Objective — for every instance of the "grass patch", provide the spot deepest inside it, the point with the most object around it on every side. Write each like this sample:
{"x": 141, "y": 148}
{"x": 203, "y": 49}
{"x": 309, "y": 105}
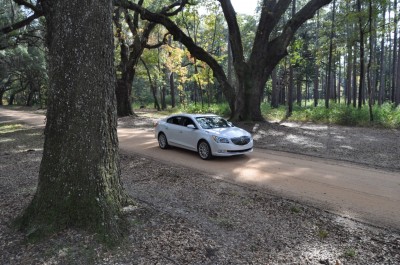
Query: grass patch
{"x": 322, "y": 234}
{"x": 386, "y": 116}
{"x": 295, "y": 209}
{"x": 350, "y": 253}
{"x": 10, "y": 128}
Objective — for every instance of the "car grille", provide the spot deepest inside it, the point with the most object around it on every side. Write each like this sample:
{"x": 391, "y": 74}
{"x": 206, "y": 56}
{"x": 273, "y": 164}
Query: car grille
{"x": 241, "y": 140}
{"x": 240, "y": 151}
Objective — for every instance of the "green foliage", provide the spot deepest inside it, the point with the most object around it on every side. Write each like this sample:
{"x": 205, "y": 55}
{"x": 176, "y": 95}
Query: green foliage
{"x": 219, "y": 109}
{"x": 384, "y": 116}
{"x": 295, "y": 209}
{"x": 387, "y": 115}
{"x": 350, "y": 253}
{"x": 323, "y": 234}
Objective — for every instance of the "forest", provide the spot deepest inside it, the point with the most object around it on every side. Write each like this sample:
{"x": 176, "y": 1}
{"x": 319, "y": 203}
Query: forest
{"x": 89, "y": 62}
{"x": 342, "y": 58}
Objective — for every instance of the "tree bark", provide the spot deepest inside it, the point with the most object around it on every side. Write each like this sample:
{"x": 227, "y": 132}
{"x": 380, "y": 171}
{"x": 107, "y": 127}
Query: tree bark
{"x": 362, "y": 58}
{"x": 395, "y": 46}
{"x": 382, "y": 86}
{"x": 370, "y": 63}
{"x": 316, "y": 66}
{"x": 329, "y": 83}
{"x": 79, "y": 179}
{"x": 152, "y": 86}
{"x": 275, "y": 90}
{"x": 348, "y": 70}
{"x": 290, "y": 92}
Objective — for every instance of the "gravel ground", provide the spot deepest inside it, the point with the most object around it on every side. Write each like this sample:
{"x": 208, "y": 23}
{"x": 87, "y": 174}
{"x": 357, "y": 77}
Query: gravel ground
{"x": 186, "y": 217}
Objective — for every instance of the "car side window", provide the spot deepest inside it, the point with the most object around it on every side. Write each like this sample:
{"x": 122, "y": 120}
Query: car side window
{"x": 174, "y": 120}
{"x": 186, "y": 121}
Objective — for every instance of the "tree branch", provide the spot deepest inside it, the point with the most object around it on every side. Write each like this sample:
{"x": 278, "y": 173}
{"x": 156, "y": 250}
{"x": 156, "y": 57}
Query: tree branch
{"x": 158, "y": 45}
{"x": 234, "y": 31}
{"x": 20, "y": 24}
{"x": 35, "y": 8}
{"x": 180, "y": 36}
{"x": 136, "y": 16}
{"x": 307, "y": 12}
{"x": 181, "y": 5}
{"x": 38, "y": 12}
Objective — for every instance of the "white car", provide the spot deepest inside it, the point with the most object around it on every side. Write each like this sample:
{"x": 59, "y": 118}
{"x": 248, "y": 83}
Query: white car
{"x": 207, "y": 134}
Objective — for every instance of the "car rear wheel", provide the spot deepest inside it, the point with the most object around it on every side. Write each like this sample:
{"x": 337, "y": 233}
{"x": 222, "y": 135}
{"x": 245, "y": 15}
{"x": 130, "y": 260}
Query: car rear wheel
{"x": 204, "y": 150}
{"x": 162, "y": 141}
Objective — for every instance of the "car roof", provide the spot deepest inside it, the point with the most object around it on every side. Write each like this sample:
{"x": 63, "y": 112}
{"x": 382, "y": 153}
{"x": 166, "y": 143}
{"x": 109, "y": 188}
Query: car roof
{"x": 194, "y": 115}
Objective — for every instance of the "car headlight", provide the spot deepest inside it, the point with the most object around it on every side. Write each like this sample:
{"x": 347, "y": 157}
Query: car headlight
{"x": 220, "y": 139}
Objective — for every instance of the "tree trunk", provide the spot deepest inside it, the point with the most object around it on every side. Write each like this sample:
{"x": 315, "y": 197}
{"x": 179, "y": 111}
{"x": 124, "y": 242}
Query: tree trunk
{"x": 163, "y": 97}
{"x": 275, "y": 89}
{"x": 348, "y": 73}
{"x": 329, "y": 82}
{"x": 1, "y": 97}
{"x": 362, "y": 58}
{"x": 123, "y": 93}
{"x": 290, "y": 92}
{"x": 382, "y": 86}
{"x": 395, "y": 44}
{"x": 79, "y": 179}
{"x": 354, "y": 78}
{"x": 316, "y": 66}
{"x": 248, "y": 99}
{"x": 153, "y": 86}
{"x": 123, "y": 87}
{"x": 370, "y": 64}
{"x": 299, "y": 91}
{"x": 172, "y": 89}
{"x": 339, "y": 81}
{"x": 397, "y": 88}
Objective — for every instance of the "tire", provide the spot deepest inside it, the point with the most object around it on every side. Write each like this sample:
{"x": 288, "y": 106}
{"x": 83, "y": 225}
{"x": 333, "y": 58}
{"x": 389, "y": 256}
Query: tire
{"x": 204, "y": 150}
{"x": 162, "y": 141}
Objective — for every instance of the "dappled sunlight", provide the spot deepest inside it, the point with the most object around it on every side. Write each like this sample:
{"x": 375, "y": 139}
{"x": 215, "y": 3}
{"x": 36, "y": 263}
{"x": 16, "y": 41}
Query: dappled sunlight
{"x": 307, "y": 126}
{"x": 300, "y": 140}
{"x": 347, "y": 147}
{"x": 262, "y": 171}
{"x": 136, "y": 138}
{"x": 309, "y": 179}
{"x": 324, "y": 251}
{"x": 6, "y": 140}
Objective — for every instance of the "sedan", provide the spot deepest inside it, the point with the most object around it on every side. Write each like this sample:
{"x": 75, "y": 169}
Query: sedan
{"x": 207, "y": 134}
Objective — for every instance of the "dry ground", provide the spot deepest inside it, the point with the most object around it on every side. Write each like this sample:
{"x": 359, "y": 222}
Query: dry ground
{"x": 186, "y": 217}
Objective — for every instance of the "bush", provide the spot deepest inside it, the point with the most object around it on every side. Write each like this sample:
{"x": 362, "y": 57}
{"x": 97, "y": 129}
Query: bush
{"x": 221, "y": 109}
{"x": 384, "y": 116}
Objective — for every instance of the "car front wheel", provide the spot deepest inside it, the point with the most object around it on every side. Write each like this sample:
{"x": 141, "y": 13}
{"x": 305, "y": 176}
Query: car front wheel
{"x": 162, "y": 141}
{"x": 204, "y": 150}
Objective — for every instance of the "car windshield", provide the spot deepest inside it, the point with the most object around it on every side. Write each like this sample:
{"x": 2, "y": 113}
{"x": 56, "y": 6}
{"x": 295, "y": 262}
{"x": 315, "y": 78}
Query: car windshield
{"x": 212, "y": 122}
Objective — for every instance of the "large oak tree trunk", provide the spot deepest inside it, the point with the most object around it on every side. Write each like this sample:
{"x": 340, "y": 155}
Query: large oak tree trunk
{"x": 79, "y": 179}
{"x": 123, "y": 92}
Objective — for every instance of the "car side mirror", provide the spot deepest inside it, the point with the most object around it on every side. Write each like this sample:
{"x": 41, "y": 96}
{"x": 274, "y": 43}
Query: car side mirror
{"x": 191, "y": 126}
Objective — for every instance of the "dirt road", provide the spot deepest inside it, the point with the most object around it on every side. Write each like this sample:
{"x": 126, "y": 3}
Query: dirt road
{"x": 361, "y": 193}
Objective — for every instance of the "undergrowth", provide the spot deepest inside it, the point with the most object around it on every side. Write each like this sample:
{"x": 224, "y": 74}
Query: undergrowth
{"x": 386, "y": 116}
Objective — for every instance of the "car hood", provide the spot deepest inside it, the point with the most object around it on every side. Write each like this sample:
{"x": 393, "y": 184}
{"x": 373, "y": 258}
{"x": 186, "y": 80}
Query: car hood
{"x": 230, "y": 132}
